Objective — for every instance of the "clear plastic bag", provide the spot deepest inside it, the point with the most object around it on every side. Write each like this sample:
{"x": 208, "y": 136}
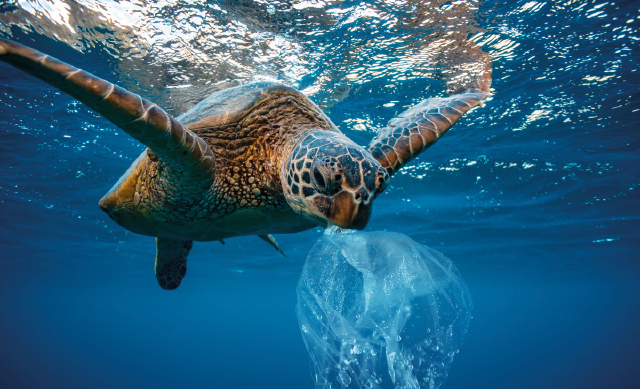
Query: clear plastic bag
{"x": 378, "y": 310}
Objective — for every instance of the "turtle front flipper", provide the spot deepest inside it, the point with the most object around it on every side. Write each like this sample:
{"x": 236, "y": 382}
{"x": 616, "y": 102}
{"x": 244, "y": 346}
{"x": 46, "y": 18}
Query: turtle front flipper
{"x": 418, "y": 128}
{"x": 177, "y": 146}
{"x": 171, "y": 261}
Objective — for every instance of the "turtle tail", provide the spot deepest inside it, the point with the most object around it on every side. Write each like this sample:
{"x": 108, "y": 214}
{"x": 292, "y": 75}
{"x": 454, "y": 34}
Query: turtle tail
{"x": 144, "y": 121}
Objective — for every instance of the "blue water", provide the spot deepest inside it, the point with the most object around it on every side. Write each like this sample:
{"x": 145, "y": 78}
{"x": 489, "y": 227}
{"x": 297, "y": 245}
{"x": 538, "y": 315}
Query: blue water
{"x": 534, "y": 196}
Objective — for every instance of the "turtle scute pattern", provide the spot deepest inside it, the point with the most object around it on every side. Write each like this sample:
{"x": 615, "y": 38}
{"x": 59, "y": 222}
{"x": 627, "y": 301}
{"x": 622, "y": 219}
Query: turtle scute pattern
{"x": 420, "y": 127}
{"x": 326, "y": 162}
{"x": 155, "y": 196}
{"x": 248, "y": 154}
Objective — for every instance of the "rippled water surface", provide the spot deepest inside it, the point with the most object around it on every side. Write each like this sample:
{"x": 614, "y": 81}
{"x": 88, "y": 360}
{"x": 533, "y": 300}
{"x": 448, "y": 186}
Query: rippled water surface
{"x": 534, "y": 196}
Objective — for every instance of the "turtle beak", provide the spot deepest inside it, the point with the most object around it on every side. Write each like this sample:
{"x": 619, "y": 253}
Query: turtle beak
{"x": 347, "y": 209}
{"x": 361, "y": 217}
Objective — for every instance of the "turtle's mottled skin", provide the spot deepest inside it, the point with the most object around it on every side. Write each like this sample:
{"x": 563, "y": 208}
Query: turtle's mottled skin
{"x": 252, "y": 160}
{"x": 327, "y": 173}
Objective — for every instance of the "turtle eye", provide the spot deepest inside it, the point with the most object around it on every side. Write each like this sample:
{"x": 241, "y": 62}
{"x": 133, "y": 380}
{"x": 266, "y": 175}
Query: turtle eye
{"x": 318, "y": 177}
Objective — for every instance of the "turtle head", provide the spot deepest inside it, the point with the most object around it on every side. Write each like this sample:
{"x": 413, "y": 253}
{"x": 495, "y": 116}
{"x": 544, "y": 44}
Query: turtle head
{"x": 331, "y": 180}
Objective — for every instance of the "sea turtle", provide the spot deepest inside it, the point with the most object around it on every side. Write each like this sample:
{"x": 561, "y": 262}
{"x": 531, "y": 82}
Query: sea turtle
{"x": 251, "y": 160}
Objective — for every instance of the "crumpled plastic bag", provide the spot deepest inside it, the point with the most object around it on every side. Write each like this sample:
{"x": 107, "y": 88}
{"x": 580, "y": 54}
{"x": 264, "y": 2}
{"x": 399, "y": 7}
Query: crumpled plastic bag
{"x": 379, "y": 310}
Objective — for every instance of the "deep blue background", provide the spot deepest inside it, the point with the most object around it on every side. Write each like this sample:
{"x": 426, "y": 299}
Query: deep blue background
{"x": 534, "y": 197}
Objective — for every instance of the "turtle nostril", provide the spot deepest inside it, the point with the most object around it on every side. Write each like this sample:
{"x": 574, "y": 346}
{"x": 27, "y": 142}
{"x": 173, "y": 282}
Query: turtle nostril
{"x": 362, "y": 195}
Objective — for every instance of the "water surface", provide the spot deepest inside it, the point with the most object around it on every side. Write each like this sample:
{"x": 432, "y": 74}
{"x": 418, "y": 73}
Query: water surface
{"x": 533, "y": 196}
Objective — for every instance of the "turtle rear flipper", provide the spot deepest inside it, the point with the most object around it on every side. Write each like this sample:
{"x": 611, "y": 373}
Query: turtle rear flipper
{"x": 171, "y": 261}
{"x": 177, "y": 146}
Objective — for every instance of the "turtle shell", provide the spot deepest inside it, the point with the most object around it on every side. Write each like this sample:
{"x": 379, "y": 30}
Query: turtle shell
{"x": 233, "y": 104}
{"x": 254, "y": 121}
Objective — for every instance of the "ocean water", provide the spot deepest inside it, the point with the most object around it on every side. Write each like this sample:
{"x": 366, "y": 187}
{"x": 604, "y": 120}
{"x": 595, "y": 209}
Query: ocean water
{"x": 534, "y": 196}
